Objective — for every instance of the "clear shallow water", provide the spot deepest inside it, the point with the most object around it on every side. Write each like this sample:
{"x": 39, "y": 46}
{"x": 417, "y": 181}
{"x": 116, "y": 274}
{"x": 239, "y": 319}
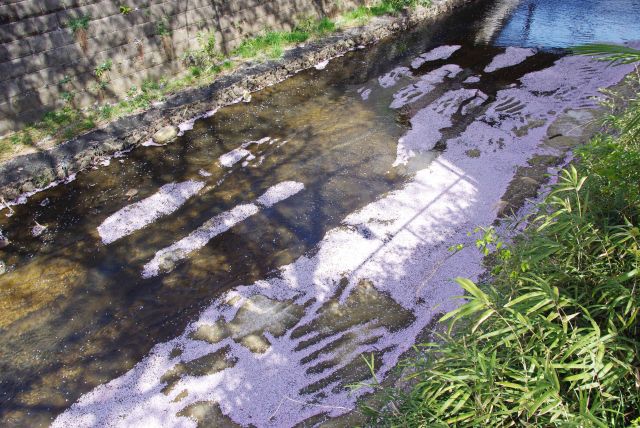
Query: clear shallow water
{"x": 557, "y": 24}
{"x": 76, "y": 313}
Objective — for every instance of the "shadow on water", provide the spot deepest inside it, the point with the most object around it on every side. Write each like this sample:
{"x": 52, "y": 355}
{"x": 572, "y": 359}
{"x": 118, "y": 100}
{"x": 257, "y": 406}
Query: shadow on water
{"x": 75, "y": 313}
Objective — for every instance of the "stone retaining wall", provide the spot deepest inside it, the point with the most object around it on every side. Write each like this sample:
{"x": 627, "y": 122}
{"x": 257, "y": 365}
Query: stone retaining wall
{"x": 42, "y": 60}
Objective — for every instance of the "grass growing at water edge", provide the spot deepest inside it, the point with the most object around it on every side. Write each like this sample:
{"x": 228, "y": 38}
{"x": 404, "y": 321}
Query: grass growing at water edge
{"x": 553, "y": 337}
{"x": 363, "y": 14}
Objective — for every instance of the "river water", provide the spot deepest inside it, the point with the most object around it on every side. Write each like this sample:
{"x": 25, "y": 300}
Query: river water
{"x": 237, "y": 273}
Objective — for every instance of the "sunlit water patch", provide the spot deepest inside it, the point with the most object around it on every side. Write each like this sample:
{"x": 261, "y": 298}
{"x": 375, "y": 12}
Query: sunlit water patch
{"x": 554, "y": 24}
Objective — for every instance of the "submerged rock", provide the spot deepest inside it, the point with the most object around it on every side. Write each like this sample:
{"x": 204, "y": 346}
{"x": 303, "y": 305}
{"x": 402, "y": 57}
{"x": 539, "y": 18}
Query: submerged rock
{"x": 165, "y": 134}
{"x": 38, "y": 229}
{"x": 131, "y": 193}
{"x": 4, "y": 241}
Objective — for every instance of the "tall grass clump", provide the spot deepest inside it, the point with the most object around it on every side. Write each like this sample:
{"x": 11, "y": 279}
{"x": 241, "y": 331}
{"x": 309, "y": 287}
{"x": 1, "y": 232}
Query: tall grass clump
{"x": 271, "y": 43}
{"x": 363, "y": 13}
{"x": 552, "y": 338}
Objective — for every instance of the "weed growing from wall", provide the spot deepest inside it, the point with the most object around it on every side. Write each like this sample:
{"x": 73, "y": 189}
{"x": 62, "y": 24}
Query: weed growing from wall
{"x": 79, "y": 26}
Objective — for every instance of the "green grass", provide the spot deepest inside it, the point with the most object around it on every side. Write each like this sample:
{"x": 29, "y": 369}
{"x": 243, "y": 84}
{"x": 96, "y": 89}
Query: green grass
{"x": 79, "y": 23}
{"x": 271, "y": 44}
{"x": 203, "y": 65}
{"x": 362, "y": 14}
{"x": 552, "y": 339}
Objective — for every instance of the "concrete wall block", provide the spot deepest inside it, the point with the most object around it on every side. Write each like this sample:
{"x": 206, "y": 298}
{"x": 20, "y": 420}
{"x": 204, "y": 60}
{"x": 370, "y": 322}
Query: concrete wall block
{"x": 182, "y": 48}
{"x": 232, "y": 7}
{"x": 165, "y": 10}
{"x": 178, "y": 21}
{"x": 147, "y": 30}
{"x": 65, "y": 36}
{"x": 48, "y": 41}
{"x": 7, "y": 124}
{"x": 123, "y": 84}
{"x": 95, "y": 11}
{"x": 37, "y": 80}
{"x": 28, "y": 8}
{"x": 123, "y": 68}
{"x": 180, "y": 35}
{"x": 10, "y": 88}
{"x": 132, "y": 51}
{"x": 138, "y": 4}
{"x": 84, "y": 99}
{"x": 101, "y": 27}
{"x": 6, "y": 109}
{"x": 26, "y": 101}
{"x": 107, "y": 42}
{"x": 40, "y": 24}
{"x": 159, "y": 71}
{"x": 11, "y": 69}
{"x": 153, "y": 58}
{"x": 118, "y": 55}
{"x": 61, "y": 56}
{"x": 197, "y": 4}
{"x": 7, "y": 14}
{"x": 80, "y": 81}
{"x": 18, "y": 30}
{"x": 137, "y": 32}
{"x": 137, "y": 17}
{"x": 200, "y": 14}
{"x": 203, "y": 27}
{"x": 50, "y": 6}
{"x": 14, "y": 50}
{"x": 49, "y": 95}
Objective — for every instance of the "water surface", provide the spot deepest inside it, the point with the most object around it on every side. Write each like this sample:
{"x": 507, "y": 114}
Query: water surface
{"x": 553, "y": 23}
{"x": 76, "y": 312}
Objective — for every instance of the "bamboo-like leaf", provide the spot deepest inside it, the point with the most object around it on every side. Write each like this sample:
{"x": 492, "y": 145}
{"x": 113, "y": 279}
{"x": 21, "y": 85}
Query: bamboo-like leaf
{"x": 613, "y": 53}
{"x": 482, "y": 319}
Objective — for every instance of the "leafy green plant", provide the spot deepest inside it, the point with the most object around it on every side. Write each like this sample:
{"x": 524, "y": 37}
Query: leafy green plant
{"x": 67, "y": 97}
{"x": 553, "y": 338}
{"x": 125, "y": 10}
{"x": 207, "y": 57}
{"x": 102, "y": 69}
{"x": 79, "y": 27}
{"x": 79, "y": 23}
{"x": 195, "y": 71}
{"x": 163, "y": 28}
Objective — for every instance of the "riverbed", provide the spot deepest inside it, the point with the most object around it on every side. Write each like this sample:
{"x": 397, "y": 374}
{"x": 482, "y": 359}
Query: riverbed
{"x": 237, "y": 274}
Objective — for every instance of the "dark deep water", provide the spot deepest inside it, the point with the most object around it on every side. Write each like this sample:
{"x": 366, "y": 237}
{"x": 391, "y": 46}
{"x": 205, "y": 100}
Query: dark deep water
{"x": 75, "y": 313}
